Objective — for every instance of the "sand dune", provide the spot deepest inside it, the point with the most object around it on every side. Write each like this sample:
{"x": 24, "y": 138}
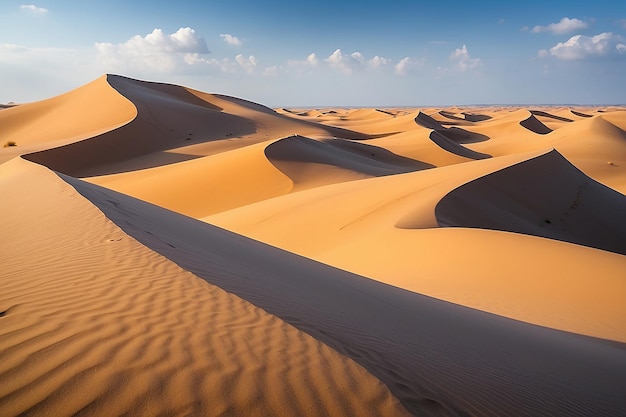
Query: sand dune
{"x": 272, "y": 169}
{"x": 580, "y": 114}
{"x": 545, "y": 196}
{"x": 594, "y": 145}
{"x": 205, "y": 185}
{"x": 454, "y": 147}
{"x": 418, "y": 145}
{"x": 394, "y": 240}
{"x": 169, "y": 118}
{"x": 535, "y": 125}
{"x": 480, "y": 255}
{"x": 95, "y": 323}
{"x": 94, "y": 109}
{"x": 310, "y": 163}
{"x": 409, "y": 341}
{"x": 368, "y": 121}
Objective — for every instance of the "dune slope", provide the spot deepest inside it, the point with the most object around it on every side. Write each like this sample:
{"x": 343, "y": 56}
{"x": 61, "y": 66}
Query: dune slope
{"x": 171, "y": 118}
{"x": 427, "y": 262}
{"x": 437, "y": 358}
{"x": 80, "y": 114}
{"x": 386, "y": 229}
{"x": 94, "y": 323}
{"x": 545, "y": 196}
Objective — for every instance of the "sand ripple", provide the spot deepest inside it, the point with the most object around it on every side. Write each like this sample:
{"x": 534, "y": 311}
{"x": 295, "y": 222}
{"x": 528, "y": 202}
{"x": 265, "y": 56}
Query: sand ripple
{"x": 95, "y": 323}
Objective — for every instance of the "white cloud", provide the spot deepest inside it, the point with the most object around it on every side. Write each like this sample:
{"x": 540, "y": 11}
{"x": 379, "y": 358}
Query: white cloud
{"x": 358, "y": 57}
{"x": 582, "y": 47}
{"x": 566, "y": 25}
{"x": 338, "y": 60}
{"x": 224, "y": 65}
{"x": 33, "y": 8}
{"x": 542, "y": 53}
{"x": 155, "y": 52}
{"x": 310, "y": 60}
{"x": 227, "y": 65}
{"x": 273, "y": 71}
{"x": 407, "y": 64}
{"x": 230, "y": 39}
{"x": 463, "y": 61}
{"x": 378, "y": 61}
{"x": 348, "y": 63}
{"x": 248, "y": 64}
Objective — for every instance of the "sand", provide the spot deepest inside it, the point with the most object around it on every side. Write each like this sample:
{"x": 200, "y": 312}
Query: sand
{"x": 426, "y": 261}
{"x": 95, "y": 323}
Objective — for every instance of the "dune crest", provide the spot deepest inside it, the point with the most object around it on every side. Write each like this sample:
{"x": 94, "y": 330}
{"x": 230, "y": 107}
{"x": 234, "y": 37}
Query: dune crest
{"x": 310, "y": 163}
{"x": 93, "y": 109}
{"x": 424, "y": 261}
{"x": 545, "y": 196}
{"x": 407, "y": 340}
{"x": 535, "y": 125}
{"x": 170, "y": 118}
{"x": 96, "y": 323}
{"x": 351, "y": 227}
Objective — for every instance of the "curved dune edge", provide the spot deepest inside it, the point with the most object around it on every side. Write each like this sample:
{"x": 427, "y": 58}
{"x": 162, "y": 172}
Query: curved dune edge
{"x": 545, "y": 196}
{"x": 95, "y": 323}
{"x": 455, "y": 148}
{"x": 172, "y": 118}
{"x": 254, "y": 173}
{"x": 386, "y": 229}
{"x": 205, "y": 185}
{"x": 451, "y": 139}
{"x": 419, "y": 347}
{"x": 91, "y": 110}
{"x": 417, "y": 145}
{"x": 580, "y": 114}
{"x": 533, "y": 124}
{"x": 436, "y": 358}
{"x": 168, "y": 117}
{"x": 310, "y": 163}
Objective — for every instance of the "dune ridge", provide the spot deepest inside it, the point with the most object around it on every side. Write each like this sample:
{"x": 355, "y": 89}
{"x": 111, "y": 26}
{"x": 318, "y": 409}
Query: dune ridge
{"x": 545, "y": 196}
{"x": 94, "y": 323}
{"x": 354, "y": 315}
{"x": 168, "y": 117}
{"x": 43, "y": 124}
{"x": 425, "y": 261}
{"x": 354, "y": 160}
{"x": 350, "y": 227}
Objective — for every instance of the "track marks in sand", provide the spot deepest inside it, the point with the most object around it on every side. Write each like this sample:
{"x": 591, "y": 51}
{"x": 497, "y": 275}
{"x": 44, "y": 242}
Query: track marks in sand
{"x": 97, "y": 324}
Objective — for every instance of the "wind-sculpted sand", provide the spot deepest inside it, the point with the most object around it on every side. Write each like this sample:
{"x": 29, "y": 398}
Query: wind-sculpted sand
{"x": 426, "y": 261}
{"x": 95, "y": 323}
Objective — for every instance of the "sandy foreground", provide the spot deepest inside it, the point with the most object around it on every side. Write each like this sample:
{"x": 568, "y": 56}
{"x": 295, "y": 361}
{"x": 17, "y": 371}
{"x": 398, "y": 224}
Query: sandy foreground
{"x": 166, "y": 251}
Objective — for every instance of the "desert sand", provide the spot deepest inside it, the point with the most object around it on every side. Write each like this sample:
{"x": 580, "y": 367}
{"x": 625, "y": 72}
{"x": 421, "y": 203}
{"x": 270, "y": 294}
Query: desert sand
{"x": 167, "y": 251}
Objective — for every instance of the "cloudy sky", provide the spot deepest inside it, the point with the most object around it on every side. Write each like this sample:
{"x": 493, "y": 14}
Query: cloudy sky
{"x": 322, "y": 53}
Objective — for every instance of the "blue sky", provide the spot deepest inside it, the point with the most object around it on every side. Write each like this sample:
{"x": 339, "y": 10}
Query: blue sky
{"x": 324, "y": 53}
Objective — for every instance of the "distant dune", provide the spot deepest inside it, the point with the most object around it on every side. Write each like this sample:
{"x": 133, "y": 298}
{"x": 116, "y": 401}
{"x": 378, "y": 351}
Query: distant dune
{"x": 167, "y": 251}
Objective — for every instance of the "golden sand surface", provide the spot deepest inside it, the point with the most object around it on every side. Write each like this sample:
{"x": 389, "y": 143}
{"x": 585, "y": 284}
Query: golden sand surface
{"x": 167, "y": 251}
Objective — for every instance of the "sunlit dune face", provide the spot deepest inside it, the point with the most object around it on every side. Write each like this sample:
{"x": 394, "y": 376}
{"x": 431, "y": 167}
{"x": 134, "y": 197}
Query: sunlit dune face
{"x": 366, "y": 261}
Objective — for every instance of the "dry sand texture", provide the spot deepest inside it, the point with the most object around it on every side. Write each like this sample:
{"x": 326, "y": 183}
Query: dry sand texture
{"x": 458, "y": 261}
